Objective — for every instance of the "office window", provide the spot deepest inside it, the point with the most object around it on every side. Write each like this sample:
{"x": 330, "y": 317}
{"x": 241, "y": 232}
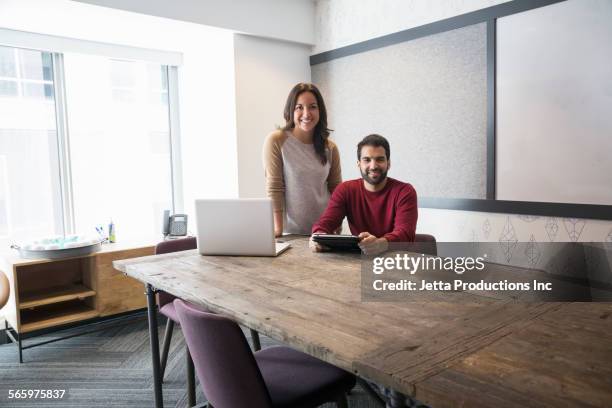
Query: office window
{"x": 30, "y": 197}
{"x": 26, "y": 73}
{"x": 119, "y": 137}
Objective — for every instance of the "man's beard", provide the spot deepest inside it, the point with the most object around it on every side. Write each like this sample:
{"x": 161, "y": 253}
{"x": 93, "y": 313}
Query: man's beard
{"x": 382, "y": 176}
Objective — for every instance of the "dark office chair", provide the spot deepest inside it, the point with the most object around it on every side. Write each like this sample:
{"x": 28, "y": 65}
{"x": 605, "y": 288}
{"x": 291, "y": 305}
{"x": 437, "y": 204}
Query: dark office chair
{"x": 426, "y": 244}
{"x": 277, "y": 377}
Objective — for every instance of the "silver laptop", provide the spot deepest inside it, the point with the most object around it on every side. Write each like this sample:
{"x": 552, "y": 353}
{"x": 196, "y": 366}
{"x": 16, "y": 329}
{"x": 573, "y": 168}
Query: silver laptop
{"x": 242, "y": 226}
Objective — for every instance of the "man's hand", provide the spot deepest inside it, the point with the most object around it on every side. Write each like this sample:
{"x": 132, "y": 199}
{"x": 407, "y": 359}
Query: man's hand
{"x": 370, "y": 245}
{"x": 315, "y": 246}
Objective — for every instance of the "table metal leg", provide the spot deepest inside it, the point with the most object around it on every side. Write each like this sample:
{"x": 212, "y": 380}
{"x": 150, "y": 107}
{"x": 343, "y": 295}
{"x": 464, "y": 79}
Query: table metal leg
{"x": 191, "y": 397}
{"x": 20, "y": 346}
{"x": 371, "y": 392}
{"x": 256, "y": 341}
{"x": 153, "y": 337}
{"x": 395, "y": 399}
{"x": 166, "y": 346}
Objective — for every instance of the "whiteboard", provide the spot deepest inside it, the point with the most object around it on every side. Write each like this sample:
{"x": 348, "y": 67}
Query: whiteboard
{"x": 554, "y": 104}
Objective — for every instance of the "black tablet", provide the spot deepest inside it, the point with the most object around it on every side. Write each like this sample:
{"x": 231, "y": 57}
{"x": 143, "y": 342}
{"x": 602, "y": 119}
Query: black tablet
{"x": 338, "y": 242}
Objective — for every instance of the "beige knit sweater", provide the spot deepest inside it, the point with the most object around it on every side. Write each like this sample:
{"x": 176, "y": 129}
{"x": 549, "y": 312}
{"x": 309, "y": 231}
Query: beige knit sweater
{"x": 296, "y": 181}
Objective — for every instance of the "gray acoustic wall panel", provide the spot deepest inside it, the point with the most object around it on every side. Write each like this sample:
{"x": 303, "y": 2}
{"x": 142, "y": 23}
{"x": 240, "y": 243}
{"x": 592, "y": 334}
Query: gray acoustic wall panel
{"x": 428, "y": 97}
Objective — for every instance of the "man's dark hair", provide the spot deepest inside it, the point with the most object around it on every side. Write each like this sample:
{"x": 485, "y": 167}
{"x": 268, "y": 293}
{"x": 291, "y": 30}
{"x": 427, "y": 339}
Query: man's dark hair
{"x": 375, "y": 141}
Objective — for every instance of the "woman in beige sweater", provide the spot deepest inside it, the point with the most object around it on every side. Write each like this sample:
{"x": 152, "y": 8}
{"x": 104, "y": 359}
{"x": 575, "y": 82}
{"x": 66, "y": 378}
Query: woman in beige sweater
{"x": 302, "y": 165}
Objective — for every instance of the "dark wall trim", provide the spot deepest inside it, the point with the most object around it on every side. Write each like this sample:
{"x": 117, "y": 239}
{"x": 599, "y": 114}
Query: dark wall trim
{"x": 475, "y": 17}
{"x": 592, "y": 211}
{"x": 491, "y": 89}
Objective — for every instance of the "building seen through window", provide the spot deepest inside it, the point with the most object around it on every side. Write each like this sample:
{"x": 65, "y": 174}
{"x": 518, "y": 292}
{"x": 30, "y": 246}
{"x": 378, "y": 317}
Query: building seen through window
{"x": 118, "y": 135}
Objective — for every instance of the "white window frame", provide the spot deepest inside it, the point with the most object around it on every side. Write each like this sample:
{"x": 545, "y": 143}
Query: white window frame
{"x": 57, "y": 46}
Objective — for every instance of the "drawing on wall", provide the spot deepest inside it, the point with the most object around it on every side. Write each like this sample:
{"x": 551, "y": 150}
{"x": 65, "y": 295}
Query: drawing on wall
{"x": 609, "y": 237}
{"x": 551, "y": 228}
{"x": 574, "y": 227}
{"x": 532, "y": 251}
{"x": 462, "y": 227}
{"x": 486, "y": 228}
{"x": 508, "y": 239}
{"x": 594, "y": 256}
{"x": 529, "y": 218}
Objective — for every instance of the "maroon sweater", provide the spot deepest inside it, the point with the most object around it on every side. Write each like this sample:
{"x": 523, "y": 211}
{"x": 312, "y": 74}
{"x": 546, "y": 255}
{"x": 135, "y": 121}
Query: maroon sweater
{"x": 390, "y": 213}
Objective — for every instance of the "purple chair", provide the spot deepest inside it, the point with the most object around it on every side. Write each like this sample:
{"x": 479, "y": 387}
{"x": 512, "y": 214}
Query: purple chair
{"x": 166, "y": 307}
{"x": 277, "y": 377}
{"x": 426, "y": 244}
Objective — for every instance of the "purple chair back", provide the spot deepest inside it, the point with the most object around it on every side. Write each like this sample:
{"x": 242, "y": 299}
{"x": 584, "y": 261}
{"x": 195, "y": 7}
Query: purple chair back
{"x": 223, "y": 360}
{"x": 174, "y": 245}
{"x": 426, "y": 244}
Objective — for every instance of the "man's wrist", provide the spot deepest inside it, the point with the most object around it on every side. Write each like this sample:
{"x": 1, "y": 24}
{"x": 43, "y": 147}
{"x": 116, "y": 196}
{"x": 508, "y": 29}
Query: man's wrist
{"x": 382, "y": 244}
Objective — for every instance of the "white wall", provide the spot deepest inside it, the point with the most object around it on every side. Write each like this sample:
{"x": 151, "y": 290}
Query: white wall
{"x": 206, "y": 78}
{"x": 266, "y": 70}
{"x": 291, "y": 20}
{"x": 343, "y": 22}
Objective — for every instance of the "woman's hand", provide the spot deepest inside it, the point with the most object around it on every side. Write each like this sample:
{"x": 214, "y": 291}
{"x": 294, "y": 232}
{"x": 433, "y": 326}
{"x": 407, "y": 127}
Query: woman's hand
{"x": 278, "y": 224}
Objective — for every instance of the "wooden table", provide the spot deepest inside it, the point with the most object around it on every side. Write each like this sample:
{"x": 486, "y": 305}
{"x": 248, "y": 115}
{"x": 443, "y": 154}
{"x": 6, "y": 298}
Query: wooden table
{"x": 471, "y": 351}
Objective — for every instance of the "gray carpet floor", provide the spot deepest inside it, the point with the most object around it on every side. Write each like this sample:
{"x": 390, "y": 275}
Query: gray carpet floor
{"x": 108, "y": 368}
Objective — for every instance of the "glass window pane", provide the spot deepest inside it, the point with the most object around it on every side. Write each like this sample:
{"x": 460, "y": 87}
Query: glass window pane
{"x": 8, "y": 88}
{"x": 157, "y": 77}
{"x": 49, "y": 91}
{"x": 158, "y": 84}
{"x": 123, "y": 95}
{"x": 34, "y": 90}
{"x": 4, "y": 205}
{"x": 7, "y": 62}
{"x": 29, "y": 171}
{"x": 119, "y": 147}
{"x": 47, "y": 66}
{"x": 33, "y": 64}
{"x": 122, "y": 74}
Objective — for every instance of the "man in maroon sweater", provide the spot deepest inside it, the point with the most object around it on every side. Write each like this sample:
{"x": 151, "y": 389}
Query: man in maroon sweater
{"x": 379, "y": 209}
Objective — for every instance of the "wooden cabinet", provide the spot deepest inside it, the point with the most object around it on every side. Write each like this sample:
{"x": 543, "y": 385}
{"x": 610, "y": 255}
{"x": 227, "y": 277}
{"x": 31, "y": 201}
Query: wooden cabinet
{"x": 47, "y": 293}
